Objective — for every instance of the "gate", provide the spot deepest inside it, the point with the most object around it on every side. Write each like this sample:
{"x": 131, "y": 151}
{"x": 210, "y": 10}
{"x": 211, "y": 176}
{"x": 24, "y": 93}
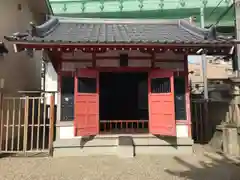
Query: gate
{"x": 26, "y": 125}
{"x": 201, "y": 127}
{"x": 206, "y": 115}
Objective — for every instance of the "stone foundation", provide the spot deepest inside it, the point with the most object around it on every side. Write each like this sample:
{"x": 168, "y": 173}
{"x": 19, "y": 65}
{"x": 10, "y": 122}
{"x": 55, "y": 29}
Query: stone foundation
{"x": 123, "y": 146}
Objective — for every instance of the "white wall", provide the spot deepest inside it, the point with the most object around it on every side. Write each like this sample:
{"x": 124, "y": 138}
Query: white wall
{"x": 51, "y": 82}
{"x": 67, "y": 132}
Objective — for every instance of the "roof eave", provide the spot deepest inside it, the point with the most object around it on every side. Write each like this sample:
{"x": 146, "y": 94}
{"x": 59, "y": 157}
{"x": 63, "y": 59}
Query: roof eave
{"x": 190, "y": 49}
{"x": 214, "y": 43}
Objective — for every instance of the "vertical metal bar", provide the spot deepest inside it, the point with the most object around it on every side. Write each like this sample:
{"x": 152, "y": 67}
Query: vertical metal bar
{"x": 13, "y": 123}
{"x": 51, "y": 125}
{"x": 38, "y": 124}
{"x": 19, "y": 123}
{"x": 196, "y": 118}
{"x": 205, "y": 79}
{"x": 25, "y": 135}
{"x": 7, "y": 126}
{"x": 204, "y": 63}
{"x": 207, "y": 124}
{"x": 104, "y": 127}
{"x": 202, "y": 17}
{"x": 32, "y": 127}
{"x": 236, "y": 59}
{"x": 1, "y": 121}
{"x": 110, "y": 126}
{"x": 201, "y": 112}
{"x": 44, "y": 123}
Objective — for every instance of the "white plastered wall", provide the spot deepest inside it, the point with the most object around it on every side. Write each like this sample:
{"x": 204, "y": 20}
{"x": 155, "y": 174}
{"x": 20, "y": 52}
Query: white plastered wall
{"x": 68, "y": 132}
{"x": 51, "y": 83}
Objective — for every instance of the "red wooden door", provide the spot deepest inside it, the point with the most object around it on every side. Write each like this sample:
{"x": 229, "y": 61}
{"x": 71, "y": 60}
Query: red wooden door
{"x": 161, "y": 103}
{"x": 86, "y": 102}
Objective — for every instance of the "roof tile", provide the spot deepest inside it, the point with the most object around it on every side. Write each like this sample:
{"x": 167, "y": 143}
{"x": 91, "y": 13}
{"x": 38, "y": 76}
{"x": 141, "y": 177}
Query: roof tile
{"x": 111, "y": 31}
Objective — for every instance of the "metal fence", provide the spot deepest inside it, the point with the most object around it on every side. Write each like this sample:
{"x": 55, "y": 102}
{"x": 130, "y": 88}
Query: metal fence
{"x": 205, "y": 116}
{"x": 26, "y": 125}
{"x": 199, "y": 117}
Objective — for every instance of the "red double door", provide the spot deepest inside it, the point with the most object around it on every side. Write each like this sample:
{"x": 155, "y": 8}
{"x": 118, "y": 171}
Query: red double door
{"x": 160, "y": 97}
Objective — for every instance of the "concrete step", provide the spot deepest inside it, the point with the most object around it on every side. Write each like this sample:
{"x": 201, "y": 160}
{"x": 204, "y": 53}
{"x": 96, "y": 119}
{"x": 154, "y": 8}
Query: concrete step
{"x": 125, "y": 147}
{"x": 122, "y": 145}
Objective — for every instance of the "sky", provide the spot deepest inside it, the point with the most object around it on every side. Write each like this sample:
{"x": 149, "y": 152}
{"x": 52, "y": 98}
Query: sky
{"x": 194, "y": 59}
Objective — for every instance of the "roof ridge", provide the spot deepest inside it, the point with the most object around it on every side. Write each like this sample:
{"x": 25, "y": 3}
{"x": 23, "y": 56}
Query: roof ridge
{"x": 45, "y": 28}
{"x": 115, "y": 21}
{"x": 197, "y": 31}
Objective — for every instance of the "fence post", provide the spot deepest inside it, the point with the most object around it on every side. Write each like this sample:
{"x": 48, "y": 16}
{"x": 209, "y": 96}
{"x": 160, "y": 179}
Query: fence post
{"x": 25, "y": 135}
{"x": 207, "y": 124}
{"x": 51, "y": 124}
{"x": 1, "y": 120}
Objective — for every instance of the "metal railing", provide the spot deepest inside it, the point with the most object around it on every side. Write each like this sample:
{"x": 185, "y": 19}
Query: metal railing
{"x": 123, "y": 126}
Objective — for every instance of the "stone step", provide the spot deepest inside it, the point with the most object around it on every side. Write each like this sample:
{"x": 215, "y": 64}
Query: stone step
{"x": 125, "y": 147}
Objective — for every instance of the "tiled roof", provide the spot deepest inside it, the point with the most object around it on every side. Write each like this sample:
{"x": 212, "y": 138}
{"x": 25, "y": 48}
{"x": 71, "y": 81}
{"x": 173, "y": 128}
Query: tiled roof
{"x": 75, "y": 30}
{"x": 3, "y": 49}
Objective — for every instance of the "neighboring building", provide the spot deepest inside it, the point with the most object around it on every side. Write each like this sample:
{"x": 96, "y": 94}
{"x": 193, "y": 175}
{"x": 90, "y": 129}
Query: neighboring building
{"x": 218, "y": 72}
{"x": 146, "y": 9}
{"x": 20, "y": 71}
{"x": 114, "y": 77}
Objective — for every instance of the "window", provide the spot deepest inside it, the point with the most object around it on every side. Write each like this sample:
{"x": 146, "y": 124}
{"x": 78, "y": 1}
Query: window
{"x": 180, "y": 98}
{"x": 179, "y": 85}
{"x": 87, "y": 85}
{"x": 67, "y": 83}
{"x": 160, "y": 85}
{"x": 67, "y": 98}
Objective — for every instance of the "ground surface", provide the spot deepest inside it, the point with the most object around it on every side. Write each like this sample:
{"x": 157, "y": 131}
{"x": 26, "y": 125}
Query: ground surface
{"x": 199, "y": 166}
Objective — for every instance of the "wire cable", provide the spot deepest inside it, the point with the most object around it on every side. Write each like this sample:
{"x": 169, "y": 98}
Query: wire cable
{"x": 223, "y": 14}
{"x": 211, "y": 13}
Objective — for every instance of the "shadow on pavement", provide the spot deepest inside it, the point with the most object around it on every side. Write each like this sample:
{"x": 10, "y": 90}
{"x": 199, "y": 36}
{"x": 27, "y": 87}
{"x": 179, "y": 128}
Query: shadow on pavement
{"x": 210, "y": 166}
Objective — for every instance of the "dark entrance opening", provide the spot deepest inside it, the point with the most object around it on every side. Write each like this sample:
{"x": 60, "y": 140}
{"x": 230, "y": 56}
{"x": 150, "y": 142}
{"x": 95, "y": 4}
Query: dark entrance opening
{"x": 123, "y": 101}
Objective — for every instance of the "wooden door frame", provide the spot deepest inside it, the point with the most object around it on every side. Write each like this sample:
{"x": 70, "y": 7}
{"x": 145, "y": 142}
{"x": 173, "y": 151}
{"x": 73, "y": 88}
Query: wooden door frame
{"x": 140, "y": 69}
{"x": 172, "y": 93}
{"x": 76, "y": 76}
{"x": 123, "y": 69}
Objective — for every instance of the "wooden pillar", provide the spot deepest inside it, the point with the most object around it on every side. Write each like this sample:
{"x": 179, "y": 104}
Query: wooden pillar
{"x": 94, "y": 60}
{"x": 187, "y": 96}
{"x": 25, "y": 133}
{"x": 153, "y": 59}
{"x": 1, "y": 120}
{"x": 51, "y": 124}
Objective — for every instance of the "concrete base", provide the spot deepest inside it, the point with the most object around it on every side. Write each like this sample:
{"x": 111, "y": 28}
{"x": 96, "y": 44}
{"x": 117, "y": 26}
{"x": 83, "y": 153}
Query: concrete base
{"x": 217, "y": 140}
{"x": 230, "y": 141}
{"x": 123, "y": 146}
